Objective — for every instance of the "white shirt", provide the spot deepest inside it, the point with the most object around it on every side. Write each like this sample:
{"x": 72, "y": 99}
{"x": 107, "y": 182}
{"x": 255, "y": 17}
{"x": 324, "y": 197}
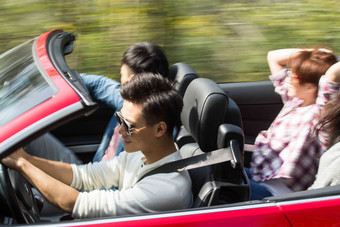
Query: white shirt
{"x": 160, "y": 192}
{"x": 329, "y": 170}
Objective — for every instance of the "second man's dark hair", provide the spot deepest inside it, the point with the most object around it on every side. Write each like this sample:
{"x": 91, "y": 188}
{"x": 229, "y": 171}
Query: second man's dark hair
{"x": 146, "y": 57}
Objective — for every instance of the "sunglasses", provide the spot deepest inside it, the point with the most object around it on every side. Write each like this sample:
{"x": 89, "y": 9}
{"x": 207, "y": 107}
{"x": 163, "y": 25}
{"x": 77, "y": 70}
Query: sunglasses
{"x": 291, "y": 76}
{"x": 127, "y": 127}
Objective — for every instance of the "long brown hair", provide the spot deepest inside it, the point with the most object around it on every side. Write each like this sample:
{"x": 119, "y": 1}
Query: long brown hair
{"x": 310, "y": 65}
{"x": 329, "y": 121}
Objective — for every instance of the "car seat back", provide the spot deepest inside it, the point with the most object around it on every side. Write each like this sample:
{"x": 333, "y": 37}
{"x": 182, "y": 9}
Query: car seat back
{"x": 182, "y": 74}
{"x": 205, "y": 116}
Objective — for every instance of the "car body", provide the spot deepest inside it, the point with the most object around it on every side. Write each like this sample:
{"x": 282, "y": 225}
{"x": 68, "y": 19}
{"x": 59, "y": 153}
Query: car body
{"x": 40, "y": 93}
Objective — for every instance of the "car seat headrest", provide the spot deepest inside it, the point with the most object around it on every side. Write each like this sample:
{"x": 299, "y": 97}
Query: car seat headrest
{"x": 183, "y": 74}
{"x": 205, "y": 109}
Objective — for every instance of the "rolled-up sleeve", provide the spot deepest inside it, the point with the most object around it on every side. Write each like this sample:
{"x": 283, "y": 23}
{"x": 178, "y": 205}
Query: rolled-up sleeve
{"x": 104, "y": 89}
{"x": 327, "y": 90}
{"x": 280, "y": 84}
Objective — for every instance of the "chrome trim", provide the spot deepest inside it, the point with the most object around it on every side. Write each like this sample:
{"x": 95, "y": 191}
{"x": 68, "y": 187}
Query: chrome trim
{"x": 311, "y": 200}
{"x": 165, "y": 215}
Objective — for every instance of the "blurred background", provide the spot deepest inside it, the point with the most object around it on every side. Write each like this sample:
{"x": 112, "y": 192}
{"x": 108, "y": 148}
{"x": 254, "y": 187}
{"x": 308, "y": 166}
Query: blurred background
{"x": 225, "y": 40}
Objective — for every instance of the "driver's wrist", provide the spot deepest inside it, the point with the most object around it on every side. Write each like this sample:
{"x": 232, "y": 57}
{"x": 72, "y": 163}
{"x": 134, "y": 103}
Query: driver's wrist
{"x": 21, "y": 164}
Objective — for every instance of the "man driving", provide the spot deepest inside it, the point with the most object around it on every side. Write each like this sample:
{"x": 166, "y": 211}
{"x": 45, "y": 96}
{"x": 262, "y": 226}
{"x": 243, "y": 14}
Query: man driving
{"x": 150, "y": 110}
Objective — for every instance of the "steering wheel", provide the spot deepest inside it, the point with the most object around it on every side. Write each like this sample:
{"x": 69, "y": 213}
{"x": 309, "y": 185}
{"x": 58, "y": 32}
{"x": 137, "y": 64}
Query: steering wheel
{"x": 16, "y": 193}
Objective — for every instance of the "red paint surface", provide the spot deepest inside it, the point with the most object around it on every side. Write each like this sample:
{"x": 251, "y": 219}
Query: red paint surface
{"x": 318, "y": 213}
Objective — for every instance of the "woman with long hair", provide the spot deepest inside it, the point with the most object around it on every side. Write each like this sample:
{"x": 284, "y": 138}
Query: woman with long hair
{"x": 329, "y": 166}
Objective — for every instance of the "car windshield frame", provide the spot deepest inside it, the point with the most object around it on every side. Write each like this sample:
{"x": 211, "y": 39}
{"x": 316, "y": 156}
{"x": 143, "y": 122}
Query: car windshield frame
{"x": 62, "y": 98}
{"x": 22, "y": 85}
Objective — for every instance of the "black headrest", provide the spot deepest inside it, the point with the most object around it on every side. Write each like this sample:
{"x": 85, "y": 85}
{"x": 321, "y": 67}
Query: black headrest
{"x": 205, "y": 109}
{"x": 183, "y": 74}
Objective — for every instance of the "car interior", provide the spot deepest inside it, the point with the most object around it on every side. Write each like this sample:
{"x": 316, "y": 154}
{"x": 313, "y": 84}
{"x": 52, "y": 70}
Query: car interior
{"x": 210, "y": 120}
{"x": 207, "y": 122}
{"x": 215, "y": 116}
{"x": 205, "y": 118}
{"x": 210, "y": 110}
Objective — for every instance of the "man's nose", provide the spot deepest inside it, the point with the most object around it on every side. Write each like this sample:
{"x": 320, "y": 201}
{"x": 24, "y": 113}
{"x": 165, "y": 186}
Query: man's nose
{"x": 121, "y": 129}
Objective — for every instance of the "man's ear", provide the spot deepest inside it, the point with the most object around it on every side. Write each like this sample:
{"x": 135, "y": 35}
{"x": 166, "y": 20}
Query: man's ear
{"x": 130, "y": 76}
{"x": 160, "y": 128}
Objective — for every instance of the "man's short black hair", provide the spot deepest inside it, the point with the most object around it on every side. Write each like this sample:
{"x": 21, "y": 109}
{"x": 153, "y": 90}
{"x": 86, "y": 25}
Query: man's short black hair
{"x": 159, "y": 99}
{"x": 146, "y": 57}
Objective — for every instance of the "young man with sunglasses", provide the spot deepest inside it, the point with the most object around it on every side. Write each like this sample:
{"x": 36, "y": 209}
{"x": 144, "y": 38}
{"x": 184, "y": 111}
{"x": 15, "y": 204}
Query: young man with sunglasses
{"x": 150, "y": 110}
{"x": 285, "y": 156}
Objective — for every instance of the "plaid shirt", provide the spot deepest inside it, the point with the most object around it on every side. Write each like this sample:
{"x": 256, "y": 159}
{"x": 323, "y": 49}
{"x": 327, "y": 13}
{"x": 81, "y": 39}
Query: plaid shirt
{"x": 290, "y": 149}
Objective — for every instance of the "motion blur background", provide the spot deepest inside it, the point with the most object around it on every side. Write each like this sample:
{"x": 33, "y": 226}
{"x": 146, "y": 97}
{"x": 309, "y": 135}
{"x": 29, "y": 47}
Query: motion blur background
{"x": 225, "y": 40}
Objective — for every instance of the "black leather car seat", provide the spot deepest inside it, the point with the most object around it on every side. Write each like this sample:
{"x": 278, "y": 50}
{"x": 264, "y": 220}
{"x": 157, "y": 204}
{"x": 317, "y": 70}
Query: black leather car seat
{"x": 207, "y": 117}
{"x": 183, "y": 75}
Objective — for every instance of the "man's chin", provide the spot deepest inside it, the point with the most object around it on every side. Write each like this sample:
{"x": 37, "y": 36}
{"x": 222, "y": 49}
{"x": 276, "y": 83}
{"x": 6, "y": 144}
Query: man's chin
{"x": 129, "y": 150}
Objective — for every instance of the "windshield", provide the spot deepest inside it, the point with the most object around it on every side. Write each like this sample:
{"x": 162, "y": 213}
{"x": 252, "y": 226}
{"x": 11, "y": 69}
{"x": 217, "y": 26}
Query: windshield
{"x": 22, "y": 86}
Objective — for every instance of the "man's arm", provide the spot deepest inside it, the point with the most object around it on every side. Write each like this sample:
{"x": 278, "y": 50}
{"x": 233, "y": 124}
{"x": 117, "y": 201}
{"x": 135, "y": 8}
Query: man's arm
{"x": 104, "y": 89}
{"x": 59, "y": 170}
{"x": 51, "y": 178}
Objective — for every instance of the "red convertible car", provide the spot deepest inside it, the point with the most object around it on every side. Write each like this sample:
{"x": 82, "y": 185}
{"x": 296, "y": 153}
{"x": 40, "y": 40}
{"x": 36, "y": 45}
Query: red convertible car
{"x": 39, "y": 93}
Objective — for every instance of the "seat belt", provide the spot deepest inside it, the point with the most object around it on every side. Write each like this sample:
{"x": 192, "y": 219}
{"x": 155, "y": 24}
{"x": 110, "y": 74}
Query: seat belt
{"x": 206, "y": 159}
